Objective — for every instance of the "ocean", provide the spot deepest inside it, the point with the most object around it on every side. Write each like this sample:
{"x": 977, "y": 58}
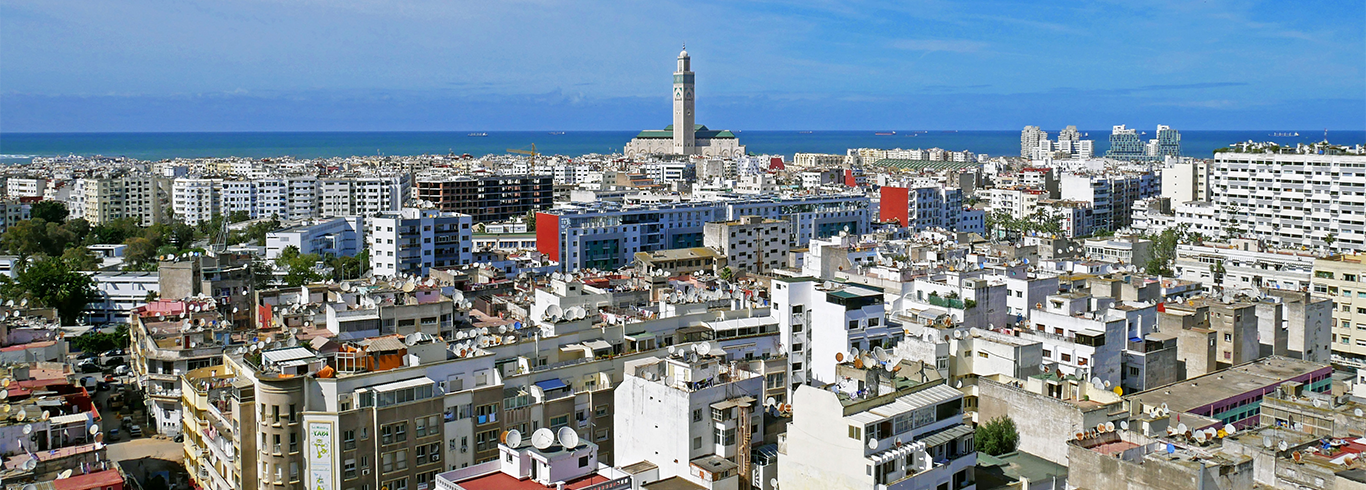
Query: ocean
{"x": 23, "y": 147}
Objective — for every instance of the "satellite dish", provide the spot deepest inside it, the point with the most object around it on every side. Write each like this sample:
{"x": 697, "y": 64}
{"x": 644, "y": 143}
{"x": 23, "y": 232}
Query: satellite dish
{"x": 542, "y": 438}
{"x": 94, "y": 429}
{"x": 957, "y": 334}
{"x": 568, "y": 438}
{"x": 839, "y": 357}
{"x": 1181, "y": 428}
{"x": 880, "y": 354}
{"x": 1230, "y": 429}
{"x": 99, "y": 437}
{"x": 1200, "y": 436}
{"x": 770, "y": 401}
{"x": 1357, "y": 412}
{"x": 853, "y": 352}
{"x": 1107, "y": 384}
{"x": 1266, "y": 442}
{"x": 28, "y": 429}
{"x": 1281, "y": 446}
{"x": 30, "y": 465}
{"x": 64, "y": 474}
{"x": 872, "y": 443}
{"x": 513, "y": 438}
{"x": 673, "y": 350}
{"x": 1109, "y": 427}
{"x": 703, "y": 348}
{"x": 1124, "y": 425}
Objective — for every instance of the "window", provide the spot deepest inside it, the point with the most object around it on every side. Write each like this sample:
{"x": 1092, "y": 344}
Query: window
{"x": 853, "y": 324}
{"x": 697, "y": 443}
{"x": 1067, "y": 358}
{"x": 400, "y": 432}
{"x": 557, "y": 422}
{"x": 348, "y": 439}
{"x": 399, "y": 484}
{"x": 349, "y": 469}
{"x": 856, "y": 432}
{"x": 433, "y": 453}
{"x": 401, "y": 459}
{"x": 697, "y": 415}
{"x": 277, "y": 443}
{"x": 1228, "y": 337}
{"x": 293, "y": 414}
{"x": 293, "y": 442}
{"x": 420, "y": 427}
{"x": 386, "y": 462}
{"x": 583, "y": 461}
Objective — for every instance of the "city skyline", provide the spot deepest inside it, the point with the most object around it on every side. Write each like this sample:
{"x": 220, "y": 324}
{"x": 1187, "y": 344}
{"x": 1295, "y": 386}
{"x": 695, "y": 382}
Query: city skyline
{"x": 367, "y": 67}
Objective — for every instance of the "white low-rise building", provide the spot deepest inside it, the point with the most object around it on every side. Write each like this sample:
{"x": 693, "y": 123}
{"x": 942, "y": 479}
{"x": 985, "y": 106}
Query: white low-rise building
{"x": 693, "y": 415}
{"x": 877, "y": 429}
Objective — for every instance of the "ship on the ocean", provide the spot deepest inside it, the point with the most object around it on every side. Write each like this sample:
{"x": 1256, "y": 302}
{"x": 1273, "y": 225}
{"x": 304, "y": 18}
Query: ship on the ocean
{"x": 885, "y": 133}
{"x": 557, "y": 133}
{"x": 477, "y": 135}
{"x": 1292, "y": 133}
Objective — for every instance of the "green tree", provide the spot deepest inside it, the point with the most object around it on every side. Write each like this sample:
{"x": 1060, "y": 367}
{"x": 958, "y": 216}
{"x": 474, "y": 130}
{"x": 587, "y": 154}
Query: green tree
{"x": 95, "y": 341}
{"x": 116, "y": 231}
{"x": 726, "y": 274}
{"x": 530, "y": 220}
{"x": 996, "y": 437}
{"x": 141, "y": 251}
{"x": 49, "y": 211}
{"x": 298, "y": 267}
{"x": 1164, "y": 250}
{"x": 238, "y": 216}
{"x": 38, "y": 236}
{"x": 261, "y": 274}
{"x": 82, "y": 259}
{"x": 55, "y": 284}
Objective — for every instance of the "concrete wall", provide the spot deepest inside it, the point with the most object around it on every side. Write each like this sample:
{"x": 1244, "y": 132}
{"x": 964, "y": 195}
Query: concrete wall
{"x": 1045, "y": 423}
{"x": 1091, "y": 469}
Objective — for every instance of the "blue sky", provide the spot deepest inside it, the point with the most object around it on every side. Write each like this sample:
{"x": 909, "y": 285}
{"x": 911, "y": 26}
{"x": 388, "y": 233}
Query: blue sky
{"x": 507, "y": 65}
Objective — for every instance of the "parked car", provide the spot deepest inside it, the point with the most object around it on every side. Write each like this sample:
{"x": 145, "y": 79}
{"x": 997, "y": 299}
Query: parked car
{"x": 113, "y": 435}
{"x": 127, "y": 422}
{"x": 113, "y": 352}
{"x": 135, "y": 431}
{"x": 115, "y": 361}
{"x": 121, "y": 370}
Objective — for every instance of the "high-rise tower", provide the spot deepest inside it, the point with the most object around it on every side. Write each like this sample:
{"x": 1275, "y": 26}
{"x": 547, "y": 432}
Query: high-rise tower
{"x": 683, "y": 143}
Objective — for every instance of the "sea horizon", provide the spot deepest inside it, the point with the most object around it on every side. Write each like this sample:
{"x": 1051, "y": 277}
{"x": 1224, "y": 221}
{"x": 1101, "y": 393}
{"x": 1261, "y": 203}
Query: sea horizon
{"x": 21, "y": 147}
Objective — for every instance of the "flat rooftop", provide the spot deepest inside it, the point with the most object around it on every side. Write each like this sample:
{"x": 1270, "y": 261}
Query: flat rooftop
{"x": 1197, "y": 392}
{"x": 504, "y": 481}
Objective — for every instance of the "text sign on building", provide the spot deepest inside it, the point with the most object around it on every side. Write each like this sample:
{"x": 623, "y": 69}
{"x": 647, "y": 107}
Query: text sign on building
{"x": 320, "y": 456}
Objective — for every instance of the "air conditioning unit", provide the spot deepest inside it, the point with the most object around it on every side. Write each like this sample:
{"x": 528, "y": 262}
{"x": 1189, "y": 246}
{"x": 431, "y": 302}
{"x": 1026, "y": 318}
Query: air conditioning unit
{"x": 365, "y": 471}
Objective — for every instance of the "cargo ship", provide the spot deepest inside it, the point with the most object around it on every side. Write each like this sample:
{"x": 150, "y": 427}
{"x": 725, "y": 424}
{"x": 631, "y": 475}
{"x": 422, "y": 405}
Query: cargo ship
{"x": 885, "y": 133}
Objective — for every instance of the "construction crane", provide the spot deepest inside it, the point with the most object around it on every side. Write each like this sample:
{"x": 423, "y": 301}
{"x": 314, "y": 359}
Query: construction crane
{"x": 531, "y": 152}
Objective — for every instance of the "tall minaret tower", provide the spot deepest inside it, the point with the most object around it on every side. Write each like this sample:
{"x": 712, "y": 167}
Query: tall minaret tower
{"x": 683, "y": 106}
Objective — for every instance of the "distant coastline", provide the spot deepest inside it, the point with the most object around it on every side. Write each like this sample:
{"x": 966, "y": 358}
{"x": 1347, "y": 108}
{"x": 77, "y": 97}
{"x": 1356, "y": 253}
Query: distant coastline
{"x": 22, "y": 147}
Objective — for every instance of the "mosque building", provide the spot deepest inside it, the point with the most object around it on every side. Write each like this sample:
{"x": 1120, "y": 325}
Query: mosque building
{"x": 684, "y": 136}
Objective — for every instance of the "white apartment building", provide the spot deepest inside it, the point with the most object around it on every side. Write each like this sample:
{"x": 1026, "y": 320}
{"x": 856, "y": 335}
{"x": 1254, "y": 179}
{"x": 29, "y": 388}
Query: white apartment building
{"x": 117, "y": 293}
{"x": 195, "y": 200}
{"x": 751, "y": 244}
{"x": 1292, "y": 200}
{"x": 602, "y": 236}
{"x": 21, "y": 187}
{"x": 1126, "y": 250}
{"x": 663, "y": 172}
{"x": 1243, "y": 266}
{"x": 412, "y": 241}
{"x": 1185, "y": 181}
{"x": 13, "y": 211}
{"x": 697, "y": 416}
{"x": 1343, "y": 278}
{"x": 1111, "y": 195}
{"x": 912, "y": 438}
{"x": 1018, "y": 201}
{"x": 808, "y": 160}
{"x": 818, "y": 320}
{"x": 336, "y": 237}
{"x": 1082, "y": 336}
{"x": 359, "y": 196}
{"x": 104, "y": 199}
